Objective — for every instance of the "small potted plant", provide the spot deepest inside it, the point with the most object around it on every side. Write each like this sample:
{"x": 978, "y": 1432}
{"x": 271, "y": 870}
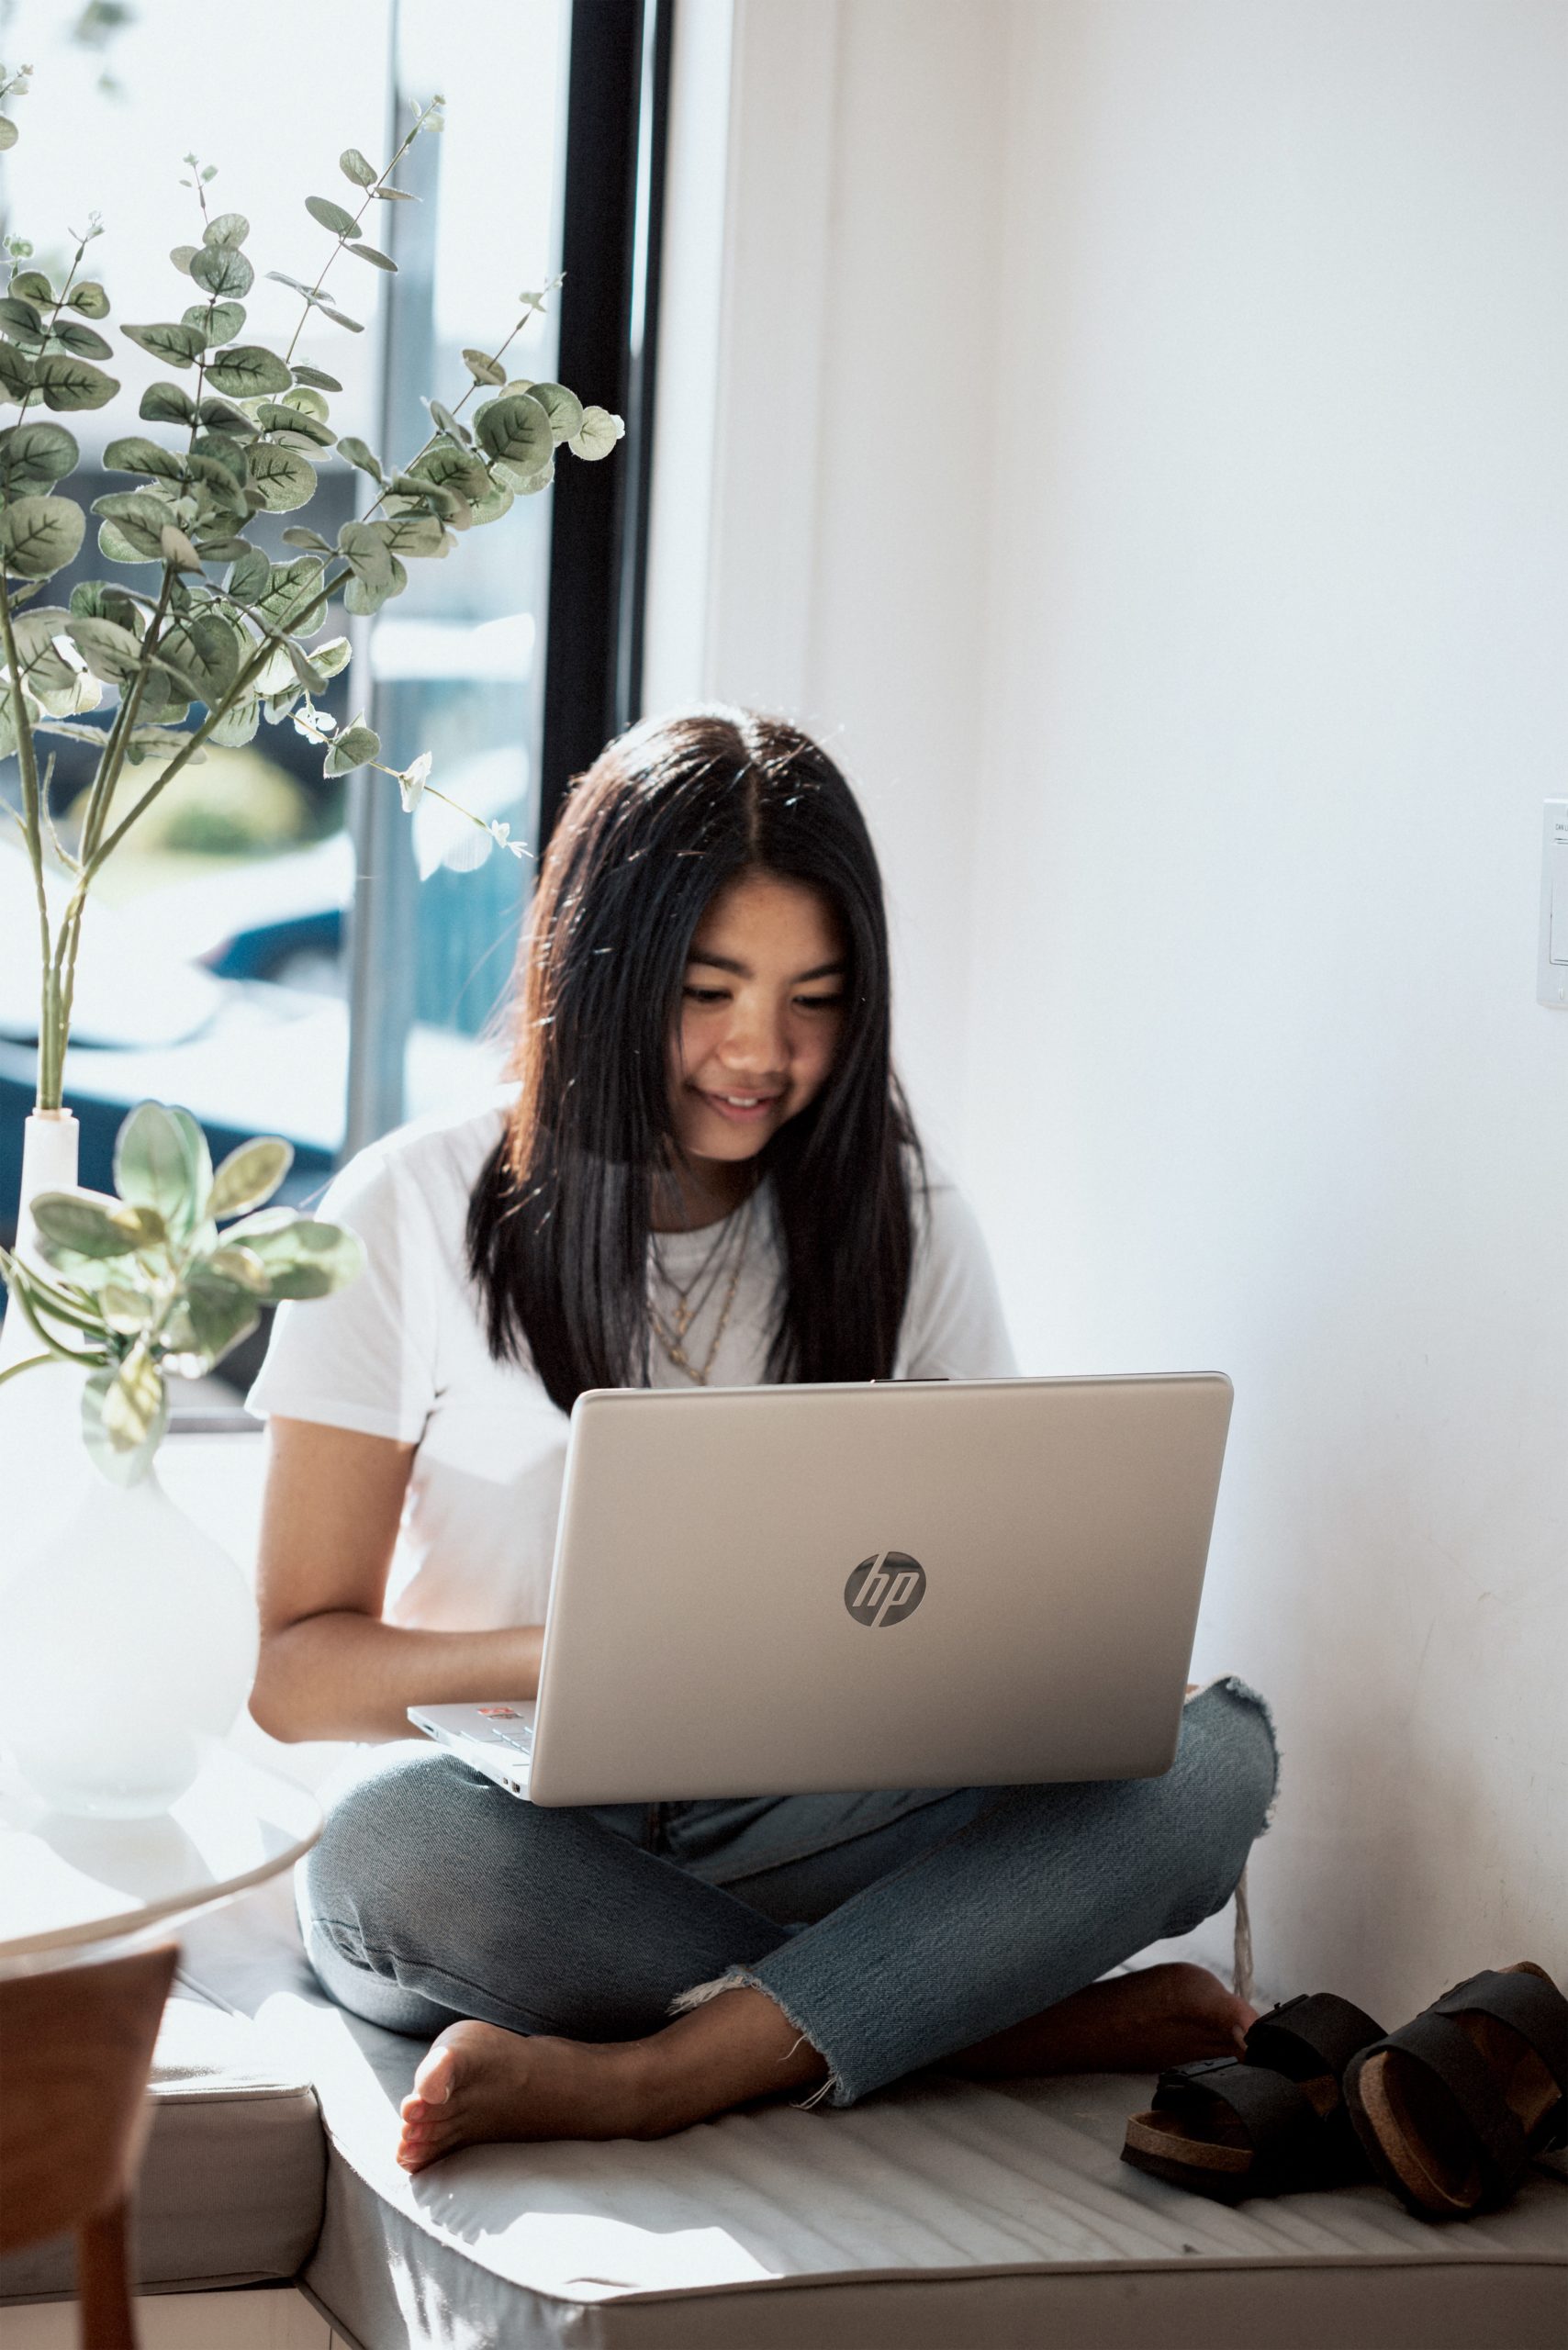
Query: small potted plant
{"x": 164, "y": 1277}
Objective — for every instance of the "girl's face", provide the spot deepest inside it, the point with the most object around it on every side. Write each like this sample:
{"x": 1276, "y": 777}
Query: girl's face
{"x": 760, "y": 1019}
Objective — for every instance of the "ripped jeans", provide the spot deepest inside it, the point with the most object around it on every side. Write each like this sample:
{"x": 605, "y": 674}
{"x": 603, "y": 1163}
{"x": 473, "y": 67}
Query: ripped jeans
{"x": 891, "y": 1928}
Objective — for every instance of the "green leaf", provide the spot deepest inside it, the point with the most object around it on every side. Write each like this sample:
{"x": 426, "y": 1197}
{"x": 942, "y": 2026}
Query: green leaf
{"x": 306, "y": 402}
{"x": 16, "y": 373}
{"x": 240, "y": 1266}
{"x": 291, "y": 591}
{"x": 355, "y": 450}
{"x": 446, "y": 422}
{"x": 137, "y": 521}
{"x": 45, "y": 672}
{"x": 110, "y": 650}
{"x": 295, "y": 284}
{"x": 341, "y": 318}
{"x": 371, "y": 254}
{"x": 378, "y": 575}
{"x": 447, "y": 466}
{"x": 299, "y": 537}
{"x": 517, "y": 428}
{"x": 72, "y": 383}
{"x": 249, "y": 1175}
{"x": 407, "y": 494}
{"x": 217, "y": 325}
{"x": 178, "y": 344}
{"x": 166, "y": 404}
{"x": 9, "y": 134}
{"x": 238, "y": 724}
{"x": 21, "y": 320}
{"x": 163, "y": 741}
{"x": 124, "y": 1309}
{"x": 39, "y": 536}
{"x": 497, "y": 500}
{"x": 303, "y": 1257}
{"x": 201, "y": 653}
{"x": 483, "y": 369}
{"x": 283, "y": 477}
{"x": 95, "y": 1224}
{"x": 182, "y": 256}
{"x": 215, "y": 482}
{"x": 563, "y": 407}
{"x": 317, "y": 376}
{"x": 90, "y": 298}
{"x": 354, "y": 166}
{"x": 220, "y": 416}
{"x": 124, "y": 1412}
{"x": 596, "y": 434}
{"x": 354, "y": 747}
{"x": 178, "y": 550}
{"x": 332, "y": 216}
{"x": 162, "y": 1161}
{"x": 249, "y": 371}
{"x": 222, "y": 1310}
{"x": 251, "y": 577}
{"x": 137, "y": 455}
{"x": 33, "y": 456}
{"x": 526, "y": 484}
{"x": 332, "y": 657}
{"x": 274, "y": 418}
{"x": 83, "y": 342}
{"x": 223, "y": 271}
{"x": 96, "y": 599}
{"x": 227, "y": 228}
{"x": 32, "y": 286}
{"x": 418, "y": 535}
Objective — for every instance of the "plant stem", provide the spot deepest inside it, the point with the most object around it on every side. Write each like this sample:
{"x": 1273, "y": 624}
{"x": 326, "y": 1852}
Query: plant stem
{"x": 331, "y": 257}
{"x": 236, "y": 693}
{"x": 49, "y": 1070}
{"x": 29, "y": 1362}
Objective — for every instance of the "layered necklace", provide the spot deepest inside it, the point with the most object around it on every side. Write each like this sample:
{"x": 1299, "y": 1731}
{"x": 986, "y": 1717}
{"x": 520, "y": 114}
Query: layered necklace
{"x": 672, "y": 1326}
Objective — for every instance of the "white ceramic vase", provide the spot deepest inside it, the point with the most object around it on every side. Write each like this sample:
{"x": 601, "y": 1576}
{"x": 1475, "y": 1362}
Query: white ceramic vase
{"x": 127, "y": 1635}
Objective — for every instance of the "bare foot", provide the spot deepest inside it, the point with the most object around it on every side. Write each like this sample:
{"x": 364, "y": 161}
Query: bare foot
{"x": 478, "y": 2082}
{"x": 1130, "y": 2023}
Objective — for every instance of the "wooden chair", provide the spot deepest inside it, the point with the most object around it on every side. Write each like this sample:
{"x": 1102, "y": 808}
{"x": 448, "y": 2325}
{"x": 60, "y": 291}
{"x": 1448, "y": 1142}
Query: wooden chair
{"x": 75, "y": 2050}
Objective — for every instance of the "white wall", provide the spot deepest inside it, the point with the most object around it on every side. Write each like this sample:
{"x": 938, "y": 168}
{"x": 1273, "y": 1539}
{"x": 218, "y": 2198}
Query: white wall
{"x": 1256, "y": 1077}
{"x": 1140, "y": 454}
{"x": 849, "y": 499}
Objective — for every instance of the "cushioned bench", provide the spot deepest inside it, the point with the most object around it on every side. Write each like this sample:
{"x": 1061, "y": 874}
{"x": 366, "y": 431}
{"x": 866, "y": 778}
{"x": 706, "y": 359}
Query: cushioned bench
{"x": 938, "y": 2216}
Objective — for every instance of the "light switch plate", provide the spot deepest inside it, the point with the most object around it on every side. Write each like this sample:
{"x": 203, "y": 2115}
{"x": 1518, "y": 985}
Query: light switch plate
{"x": 1552, "y": 984}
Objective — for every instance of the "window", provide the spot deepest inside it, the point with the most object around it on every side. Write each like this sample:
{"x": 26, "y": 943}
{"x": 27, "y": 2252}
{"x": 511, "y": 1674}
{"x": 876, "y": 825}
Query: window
{"x": 310, "y": 961}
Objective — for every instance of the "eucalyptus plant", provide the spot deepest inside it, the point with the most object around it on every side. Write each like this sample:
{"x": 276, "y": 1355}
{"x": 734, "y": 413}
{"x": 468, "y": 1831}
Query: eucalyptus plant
{"x": 219, "y": 628}
{"x": 142, "y": 1282}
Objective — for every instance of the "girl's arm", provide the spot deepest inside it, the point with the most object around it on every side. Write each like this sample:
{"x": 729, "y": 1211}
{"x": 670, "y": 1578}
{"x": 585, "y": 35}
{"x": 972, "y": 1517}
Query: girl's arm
{"x": 330, "y": 1667}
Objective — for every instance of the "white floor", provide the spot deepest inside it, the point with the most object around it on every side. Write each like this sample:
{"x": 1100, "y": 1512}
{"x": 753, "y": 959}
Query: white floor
{"x": 267, "y": 2319}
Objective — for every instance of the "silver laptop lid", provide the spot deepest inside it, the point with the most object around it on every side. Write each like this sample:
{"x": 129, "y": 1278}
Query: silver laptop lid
{"x": 765, "y": 1591}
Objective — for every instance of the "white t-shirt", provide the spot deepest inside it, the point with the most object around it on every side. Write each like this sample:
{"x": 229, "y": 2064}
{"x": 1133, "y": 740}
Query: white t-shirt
{"x": 402, "y": 1353}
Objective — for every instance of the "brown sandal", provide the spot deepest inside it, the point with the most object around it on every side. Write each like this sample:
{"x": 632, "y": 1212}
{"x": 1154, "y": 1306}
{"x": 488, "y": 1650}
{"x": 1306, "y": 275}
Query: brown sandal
{"x": 1453, "y": 2108}
{"x": 1268, "y": 2122}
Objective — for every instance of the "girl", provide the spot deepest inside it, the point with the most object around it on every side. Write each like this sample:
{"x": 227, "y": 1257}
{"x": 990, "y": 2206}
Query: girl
{"x": 704, "y": 1172}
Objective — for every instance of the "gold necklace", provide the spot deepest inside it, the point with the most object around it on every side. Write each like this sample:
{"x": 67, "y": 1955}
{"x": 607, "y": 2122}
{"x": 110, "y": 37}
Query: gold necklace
{"x": 686, "y": 1308}
{"x": 673, "y": 1341}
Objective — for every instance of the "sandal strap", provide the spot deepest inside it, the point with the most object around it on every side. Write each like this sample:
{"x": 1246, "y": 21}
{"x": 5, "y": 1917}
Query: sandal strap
{"x": 1536, "y": 2010}
{"x": 1283, "y": 2128}
{"x": 1451, "y": 2057}
{"x": 1317, "y": 2033}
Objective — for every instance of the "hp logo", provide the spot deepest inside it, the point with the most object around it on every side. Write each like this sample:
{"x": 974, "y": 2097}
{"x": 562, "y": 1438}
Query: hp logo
{"x": 885, "y": 1589}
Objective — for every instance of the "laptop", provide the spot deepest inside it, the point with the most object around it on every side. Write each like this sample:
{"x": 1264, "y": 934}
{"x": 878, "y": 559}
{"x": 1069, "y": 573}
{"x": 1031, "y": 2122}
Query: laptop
{"x": 776, "y": 1590}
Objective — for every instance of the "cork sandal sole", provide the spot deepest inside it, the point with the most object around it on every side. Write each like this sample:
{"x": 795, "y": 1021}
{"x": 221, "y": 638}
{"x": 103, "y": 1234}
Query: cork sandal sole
{"x": 1451, "y": 2109}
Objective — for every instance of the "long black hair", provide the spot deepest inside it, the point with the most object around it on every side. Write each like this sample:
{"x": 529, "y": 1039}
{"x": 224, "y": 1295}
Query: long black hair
{"x": 559, "y": 1221}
